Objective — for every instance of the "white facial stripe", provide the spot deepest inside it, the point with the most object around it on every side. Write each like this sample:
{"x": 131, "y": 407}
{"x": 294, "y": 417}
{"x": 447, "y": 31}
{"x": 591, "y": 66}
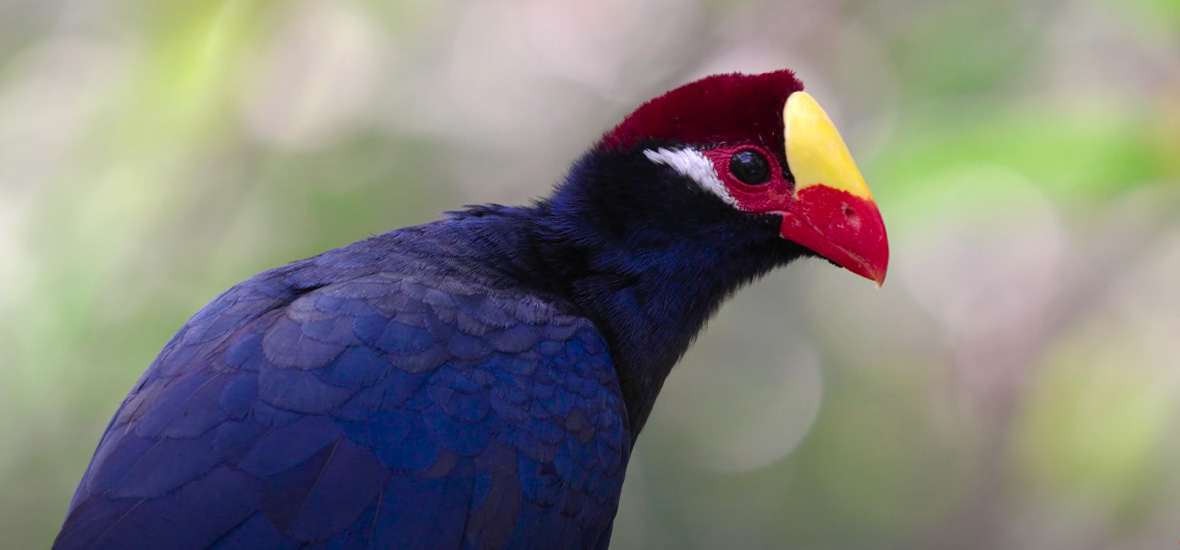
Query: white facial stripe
{"x": 695, "y": 166}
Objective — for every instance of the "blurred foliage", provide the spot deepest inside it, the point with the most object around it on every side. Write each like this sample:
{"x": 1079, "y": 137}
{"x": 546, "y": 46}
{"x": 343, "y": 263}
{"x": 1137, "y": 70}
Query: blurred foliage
{"x": 1013, "y": 385}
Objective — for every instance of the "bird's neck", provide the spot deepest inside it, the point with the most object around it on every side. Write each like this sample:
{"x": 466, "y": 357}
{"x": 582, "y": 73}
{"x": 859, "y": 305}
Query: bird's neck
{"x": 648, "y": 288}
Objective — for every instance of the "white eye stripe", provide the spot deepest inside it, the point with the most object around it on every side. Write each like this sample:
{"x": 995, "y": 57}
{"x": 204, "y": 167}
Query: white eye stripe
{"x": 695, "y": 166}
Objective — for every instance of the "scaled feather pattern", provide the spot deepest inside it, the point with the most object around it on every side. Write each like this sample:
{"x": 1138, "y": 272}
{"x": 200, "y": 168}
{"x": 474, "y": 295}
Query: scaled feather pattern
{"x": 475, "y": 383}
{"x": 370, "y": 397}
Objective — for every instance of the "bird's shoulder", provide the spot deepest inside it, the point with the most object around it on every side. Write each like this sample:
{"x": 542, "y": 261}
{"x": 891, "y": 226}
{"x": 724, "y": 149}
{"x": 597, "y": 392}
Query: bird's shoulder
{"x": 349, "y": 396}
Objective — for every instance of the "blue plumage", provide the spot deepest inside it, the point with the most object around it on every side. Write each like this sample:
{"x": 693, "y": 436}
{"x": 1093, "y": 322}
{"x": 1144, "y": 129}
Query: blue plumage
{"x": 360, "y": 405}
{"x": 473, "y": 383}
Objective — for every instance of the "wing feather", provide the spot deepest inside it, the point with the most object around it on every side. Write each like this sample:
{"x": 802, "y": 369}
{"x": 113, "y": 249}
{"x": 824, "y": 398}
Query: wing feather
{"x": 371, "y": 412}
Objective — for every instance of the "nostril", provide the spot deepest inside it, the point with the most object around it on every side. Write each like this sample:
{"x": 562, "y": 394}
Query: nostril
{"x": 851, "y": 215}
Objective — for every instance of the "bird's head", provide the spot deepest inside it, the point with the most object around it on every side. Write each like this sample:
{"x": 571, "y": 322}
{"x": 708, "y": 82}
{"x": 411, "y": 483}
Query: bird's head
{"x": 761, "y": 150}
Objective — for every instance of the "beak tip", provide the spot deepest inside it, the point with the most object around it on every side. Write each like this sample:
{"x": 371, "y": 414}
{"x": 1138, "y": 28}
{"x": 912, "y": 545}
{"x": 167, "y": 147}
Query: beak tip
{"x": 872, "y": 271}
{"x": 877, "y": 276}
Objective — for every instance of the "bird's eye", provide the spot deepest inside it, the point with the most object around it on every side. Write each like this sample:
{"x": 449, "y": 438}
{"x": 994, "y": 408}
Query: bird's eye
{"x": 749, "y": 167}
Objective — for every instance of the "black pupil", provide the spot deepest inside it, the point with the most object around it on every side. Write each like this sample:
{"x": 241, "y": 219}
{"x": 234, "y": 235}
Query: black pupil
{"x": 750, "y": 167}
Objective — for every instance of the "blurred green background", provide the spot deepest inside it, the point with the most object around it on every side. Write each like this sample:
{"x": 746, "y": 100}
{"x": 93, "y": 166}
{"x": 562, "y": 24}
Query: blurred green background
{"x": 1015, "y": 384}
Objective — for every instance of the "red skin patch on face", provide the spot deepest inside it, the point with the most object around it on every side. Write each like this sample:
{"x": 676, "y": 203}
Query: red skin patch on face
{"x": 835, "y": 224}
{"x": 772, "y": 196}
{"x": 725, "y": 108}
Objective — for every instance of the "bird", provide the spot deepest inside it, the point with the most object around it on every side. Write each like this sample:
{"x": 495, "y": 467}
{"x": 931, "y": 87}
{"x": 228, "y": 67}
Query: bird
{"x": 479, "y": 381}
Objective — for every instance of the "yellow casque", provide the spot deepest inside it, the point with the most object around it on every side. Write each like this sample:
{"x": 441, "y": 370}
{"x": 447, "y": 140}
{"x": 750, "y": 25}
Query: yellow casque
{"x": 815, "y": 151}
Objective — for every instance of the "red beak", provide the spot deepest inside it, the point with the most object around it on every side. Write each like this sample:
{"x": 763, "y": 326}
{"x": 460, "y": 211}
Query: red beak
{"x": 832, "y": 211}
{"x": 841, "y": 227}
